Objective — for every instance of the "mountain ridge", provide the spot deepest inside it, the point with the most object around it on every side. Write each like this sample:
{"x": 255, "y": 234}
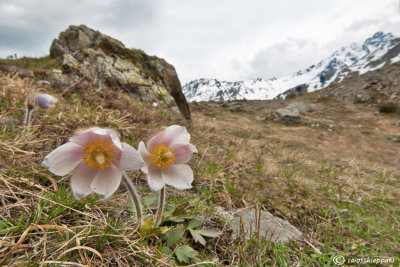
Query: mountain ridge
{"x": 354, "y": 59}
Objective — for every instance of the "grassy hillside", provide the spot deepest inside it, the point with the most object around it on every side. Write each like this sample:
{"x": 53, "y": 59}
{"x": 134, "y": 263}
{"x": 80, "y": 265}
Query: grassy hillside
{"x": 336, "y": 179}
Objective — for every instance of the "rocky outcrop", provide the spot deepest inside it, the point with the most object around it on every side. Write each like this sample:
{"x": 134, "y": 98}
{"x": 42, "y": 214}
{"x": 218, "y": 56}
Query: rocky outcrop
{"x": 173, "y": 85}
{"x": 293, "y": 92}
{"x": 292, "y": 113}
{"x": 107, "y": 63}
{"x": 24, "y": 73}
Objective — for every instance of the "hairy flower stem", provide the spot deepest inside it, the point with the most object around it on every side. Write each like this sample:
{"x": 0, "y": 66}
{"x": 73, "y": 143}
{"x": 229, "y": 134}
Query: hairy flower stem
{"x": 136, "y": 201}
{"x": 27, "y": 117}
{"x": 161, "y": 204}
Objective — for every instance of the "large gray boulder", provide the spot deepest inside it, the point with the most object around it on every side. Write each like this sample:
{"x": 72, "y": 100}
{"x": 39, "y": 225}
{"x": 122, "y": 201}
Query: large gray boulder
{"x": 107, "y": 63}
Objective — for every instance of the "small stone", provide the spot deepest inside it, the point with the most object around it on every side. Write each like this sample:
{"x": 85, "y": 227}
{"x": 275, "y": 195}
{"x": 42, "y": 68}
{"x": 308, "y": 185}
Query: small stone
{"x": 366, "y": 86}
{"x": 395, "y": 122}
{"x": 236, "y": 109}
{"x": 6, "y": 120}
{"x": 260, "y": 118}
{"x": 394, "y": 138}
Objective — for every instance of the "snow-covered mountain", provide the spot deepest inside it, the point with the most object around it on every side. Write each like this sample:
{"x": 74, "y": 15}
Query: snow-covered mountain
{"x": 355, "y": 59}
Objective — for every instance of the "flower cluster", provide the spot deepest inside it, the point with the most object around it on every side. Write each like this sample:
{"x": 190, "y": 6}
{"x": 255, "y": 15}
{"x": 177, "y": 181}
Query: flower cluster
{"x": 97, "y": 158}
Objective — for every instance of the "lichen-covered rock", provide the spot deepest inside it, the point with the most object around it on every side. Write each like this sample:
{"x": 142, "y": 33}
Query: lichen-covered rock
{"x": 270, "y": 227}
{"x": 107, "y": 63}
{"x": 69, "y": 63}
{"x": 171, "y": 82}
{"x": 61, "y": 81}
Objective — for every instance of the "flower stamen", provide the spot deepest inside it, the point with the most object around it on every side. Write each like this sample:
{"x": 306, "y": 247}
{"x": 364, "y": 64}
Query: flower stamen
{"x": 98, "y": 154}
{"x": 162, "y": 156}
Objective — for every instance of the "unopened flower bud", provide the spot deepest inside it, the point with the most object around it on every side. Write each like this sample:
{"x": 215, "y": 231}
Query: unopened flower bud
{"x": 45, "y": 101}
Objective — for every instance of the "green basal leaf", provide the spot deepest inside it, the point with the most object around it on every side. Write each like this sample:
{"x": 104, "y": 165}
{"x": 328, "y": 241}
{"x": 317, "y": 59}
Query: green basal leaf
{"x": 196, "y": 222}
{"x": 175, "y": 234}
{"x": 146, "y": 228}
{"x": 210, "y": 232}
{"x": 166, "y": 251}
{"x": 179, "y": 210}
{"x": 163, "y": 229}
{"x": 197, "y": 237}
{"x": 178, "y": 218}
{"x": 185, "y": 253}
{"x": 150, "y": 199}
{"x": 168, "y": 211}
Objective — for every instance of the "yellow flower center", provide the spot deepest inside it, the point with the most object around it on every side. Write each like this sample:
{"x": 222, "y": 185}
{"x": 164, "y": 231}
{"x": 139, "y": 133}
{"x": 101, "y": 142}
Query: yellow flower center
{"x": 162, "y": 156}
{"x": 98, "y": 154}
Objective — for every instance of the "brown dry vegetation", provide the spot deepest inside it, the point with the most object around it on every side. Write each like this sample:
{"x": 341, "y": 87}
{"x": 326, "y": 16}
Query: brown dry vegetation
{"x": 337, "y": 180}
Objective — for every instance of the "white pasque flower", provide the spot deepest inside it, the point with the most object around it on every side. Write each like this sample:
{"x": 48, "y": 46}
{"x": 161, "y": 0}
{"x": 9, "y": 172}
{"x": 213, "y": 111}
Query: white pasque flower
{"x": 97, "y": 157}
{"x": 164, "y": 158}
{"x": 45, "y": 101}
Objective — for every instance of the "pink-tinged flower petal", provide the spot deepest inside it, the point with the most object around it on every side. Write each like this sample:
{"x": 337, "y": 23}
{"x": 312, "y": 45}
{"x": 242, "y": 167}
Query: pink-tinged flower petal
{"x": 155, "y": 140}
{"x": 174, "y": 135}
{"x": 88, "y": 135}
{"x": 143, "y": 152}
{"x": 63, "y": 159}
{"x": 113, "y": 134}
{"x": 183, "y": 153}
{"x": 106, "y": 181}
{"x": 130, "y": 158}
{"x": 145, "y": 168}
{"x": 154, "y": 178}
{"x": 45, "y": 101}
{"x": 81, "y": 180}
{"x": 179, "y": 176}
{"x": 117, "y": 154}
{"x": 86, "y": 130}
{"x": 85, "y": 136}
{"x": 193, "y": 148}
{"x": 145, "y": 156}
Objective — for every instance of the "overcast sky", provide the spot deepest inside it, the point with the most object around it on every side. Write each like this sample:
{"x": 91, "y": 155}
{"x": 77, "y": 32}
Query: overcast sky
{"x": 223, "y": 39}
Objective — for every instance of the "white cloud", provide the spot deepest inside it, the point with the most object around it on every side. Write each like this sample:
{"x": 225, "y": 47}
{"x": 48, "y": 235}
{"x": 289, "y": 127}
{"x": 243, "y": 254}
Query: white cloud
{"x": 224, "y": 39}
{"x": 283, "y": 58}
